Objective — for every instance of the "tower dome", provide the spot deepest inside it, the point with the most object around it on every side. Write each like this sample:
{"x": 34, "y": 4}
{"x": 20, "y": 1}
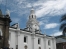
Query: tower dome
{"x": 32, "y": 23}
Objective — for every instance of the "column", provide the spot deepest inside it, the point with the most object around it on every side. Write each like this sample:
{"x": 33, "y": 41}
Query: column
{"x": 45, "y": 43}
{"x": 33, "y": 37}
{"x": 54, "y": 43}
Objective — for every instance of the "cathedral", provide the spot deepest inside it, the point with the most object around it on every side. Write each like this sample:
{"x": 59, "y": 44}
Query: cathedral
{"x": 30, "y": 37}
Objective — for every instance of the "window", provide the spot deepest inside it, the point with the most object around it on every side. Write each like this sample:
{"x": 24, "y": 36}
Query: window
{"x": 32, "y": 16}
{"x": 49, "y": 48}
{"x": 16, "y": 46}
{"x": 39, "y": 47}
{"x": 25, "y": 46}
{"x": 25, "y": 39}
{"x": 38, "y": 41}
{"x": 48, "y": 42}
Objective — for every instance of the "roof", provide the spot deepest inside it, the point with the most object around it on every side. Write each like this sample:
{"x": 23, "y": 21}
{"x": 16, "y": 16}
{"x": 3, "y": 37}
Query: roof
{"x": 16, "y": 25}
{"x": 60, "y": 40}
{"x": 60, "y": 36}
{"x": 30, "y": 31}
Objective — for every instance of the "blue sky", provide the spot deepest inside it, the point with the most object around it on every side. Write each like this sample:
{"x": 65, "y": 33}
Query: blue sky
{"x": 48, "y": 13}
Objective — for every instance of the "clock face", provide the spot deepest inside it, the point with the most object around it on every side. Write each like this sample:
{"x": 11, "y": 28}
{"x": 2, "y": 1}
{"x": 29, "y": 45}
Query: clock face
{"x": 32, "y": 22}
{"x": 36, "y": 27}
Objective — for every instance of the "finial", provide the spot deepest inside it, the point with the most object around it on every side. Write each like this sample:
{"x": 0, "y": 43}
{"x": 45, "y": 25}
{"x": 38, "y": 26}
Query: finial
{"x": 7, "y": 12}
{"x": 44, "y": 33}
{"x": 18, "y": 25}
{"x": 32, "y": 8}
{"x": 32, "y": 11}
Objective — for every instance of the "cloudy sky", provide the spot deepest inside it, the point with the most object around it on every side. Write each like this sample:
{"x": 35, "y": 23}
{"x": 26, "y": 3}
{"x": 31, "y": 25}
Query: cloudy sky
{"x": 48, "y": 13}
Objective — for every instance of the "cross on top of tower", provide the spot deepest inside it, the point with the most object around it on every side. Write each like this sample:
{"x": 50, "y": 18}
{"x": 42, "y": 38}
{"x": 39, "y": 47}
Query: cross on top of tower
{"x": 32, "y": 12}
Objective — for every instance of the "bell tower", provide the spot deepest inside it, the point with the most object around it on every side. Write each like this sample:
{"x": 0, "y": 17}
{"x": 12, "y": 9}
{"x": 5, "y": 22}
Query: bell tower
{"x": 4, "y": 29}
{"x": 33, "y": 24}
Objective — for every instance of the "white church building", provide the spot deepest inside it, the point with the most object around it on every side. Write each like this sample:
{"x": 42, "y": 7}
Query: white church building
{"x": 30, "y": 37}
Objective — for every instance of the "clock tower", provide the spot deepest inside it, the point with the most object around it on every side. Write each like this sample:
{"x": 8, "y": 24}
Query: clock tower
{"x": 33, "y": 24}
{"x": 4, "y": 29}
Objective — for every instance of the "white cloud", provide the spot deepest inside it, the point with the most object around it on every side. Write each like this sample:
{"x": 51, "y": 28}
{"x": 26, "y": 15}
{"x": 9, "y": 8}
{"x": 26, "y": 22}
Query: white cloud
{"x": 51, "y": 25}
{"x": 56, "y": 34}
{"x": 46, "y": 7}
{"x": 57, "y": 7}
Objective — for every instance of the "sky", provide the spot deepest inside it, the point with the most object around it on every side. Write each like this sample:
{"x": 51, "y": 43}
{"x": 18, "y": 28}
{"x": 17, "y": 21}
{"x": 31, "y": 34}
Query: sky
{"x": 48, "y": 13}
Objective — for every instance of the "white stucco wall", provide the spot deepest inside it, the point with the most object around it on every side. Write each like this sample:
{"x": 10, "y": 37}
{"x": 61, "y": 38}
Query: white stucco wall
{"x": 12, "y": 40}
{"x": 21, "y": 41}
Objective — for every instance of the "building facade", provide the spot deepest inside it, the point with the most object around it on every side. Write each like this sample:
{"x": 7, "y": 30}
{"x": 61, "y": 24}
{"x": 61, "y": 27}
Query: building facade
{"x": 30, "y": 37}
{"x": 61, "y": 40}
{"x": 4, "y": 29}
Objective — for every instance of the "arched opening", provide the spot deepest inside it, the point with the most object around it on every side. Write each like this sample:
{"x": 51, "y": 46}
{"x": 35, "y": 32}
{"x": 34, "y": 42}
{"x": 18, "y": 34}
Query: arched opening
{"x": 25, "y": 46}
{"x": 39, "y": 47}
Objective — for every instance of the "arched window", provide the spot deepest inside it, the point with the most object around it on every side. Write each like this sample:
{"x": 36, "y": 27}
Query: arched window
{"x": 48, "y": 42}
{"x": 39, "y": 47}
{"x": 32, "y": 16}
{"x": 16, "y": 46}
{"x": 49, "y": 48}
{"x": 25, "y": 39}
{"x": 38, "y": 40}
{"x": 25, "y": 46}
